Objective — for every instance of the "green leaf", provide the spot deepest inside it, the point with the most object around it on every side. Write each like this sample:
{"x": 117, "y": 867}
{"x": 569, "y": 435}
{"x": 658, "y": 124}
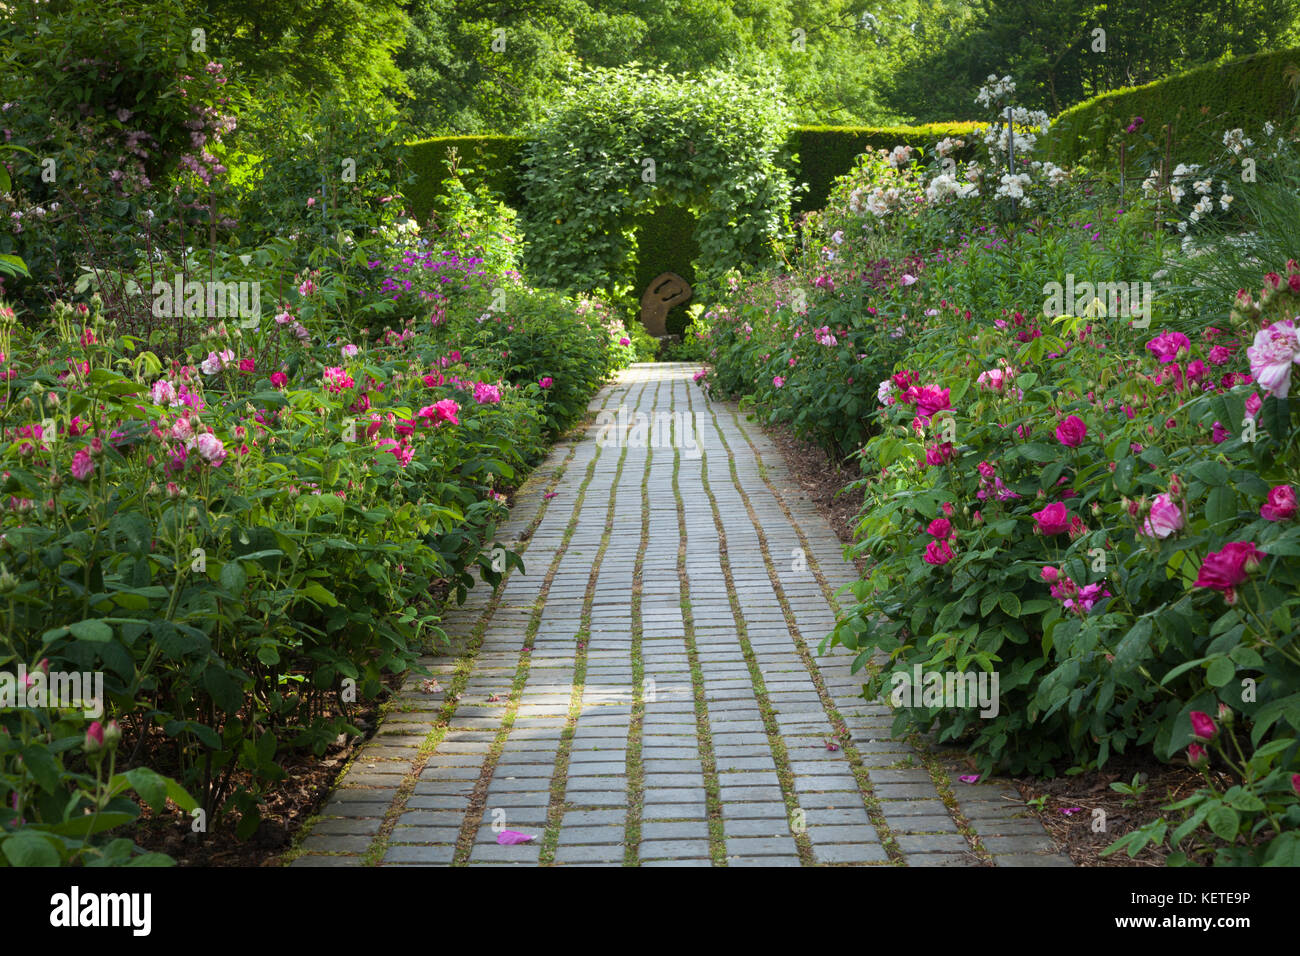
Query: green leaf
{"x": 1010, "y": 604}
{"x": 1223, "y": 820}
{"x": 151, "y": 786}
{"x": 28, "y": 847}
{"x": 92, "y": 630}
{"x": 317, "y": 593}
{"x": 1220, "y": 672}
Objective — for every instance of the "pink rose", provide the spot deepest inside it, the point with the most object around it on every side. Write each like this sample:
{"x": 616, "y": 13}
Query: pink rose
{"x": 447, "y": 409}
{"x": 1167, "y": 345}
{"x": 546, "y": 381}
{"x": 82, "y": 465}
{"x": 1197, "y": 755}
{"x": 279, "y": 379}
{"x": 938, "y": 553}
{"x": 1054, "y": 519}
{"x": 929, "y": 399}
{"x": 778, "y": 381}
{"x": 1275, "y": 350}
{"x": 1071, "y": 432}
{"x": 1164, "y": 519}
{"x": 211, "y": 449}
{"x": 1203, "y": 727}
{"x": 1223, "y": 570}
{"x": 939, "y": 454}
{"x": 1049, "y": 574}
{"x": 940, "y": 527}
{"x": 1281, "y": 504}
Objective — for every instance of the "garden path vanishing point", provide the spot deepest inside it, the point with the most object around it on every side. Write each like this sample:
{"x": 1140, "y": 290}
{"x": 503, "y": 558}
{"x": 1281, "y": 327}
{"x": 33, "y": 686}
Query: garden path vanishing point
{"x": 649, "y": 692}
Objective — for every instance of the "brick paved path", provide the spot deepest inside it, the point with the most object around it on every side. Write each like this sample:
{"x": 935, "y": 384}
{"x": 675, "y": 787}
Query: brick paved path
{"x": 650, "y": 692}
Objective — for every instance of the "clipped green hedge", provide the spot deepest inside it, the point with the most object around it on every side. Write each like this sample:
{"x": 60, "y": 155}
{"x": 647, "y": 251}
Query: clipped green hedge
{"x": 489, "y": 157}
{"x": 826, "y": 152}
{"x": 1200, "y": 104}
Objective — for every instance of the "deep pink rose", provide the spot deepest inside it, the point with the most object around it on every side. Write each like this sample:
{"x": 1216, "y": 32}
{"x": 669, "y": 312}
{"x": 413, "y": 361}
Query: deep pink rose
{"x": 279, "y": 379}
{"x": 1054, "y": 519}
{"x": 1167, "y": 345}
{"x": 1223, "y": 570}
{"x": 1071, "y": 432}
{"x": 1197, "y": 755}
{"x": 939, "y": 454}
{"x": 938, "y": 552}
{"x": 1203, "y": 727}
{"x": 929, "y": 399}
{"x": 940, "y": 527}
{"x": 1281, "y": 504}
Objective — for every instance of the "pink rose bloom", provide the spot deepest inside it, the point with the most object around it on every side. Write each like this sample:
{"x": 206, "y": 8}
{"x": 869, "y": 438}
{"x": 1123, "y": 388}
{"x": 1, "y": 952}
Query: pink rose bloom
{"x": 82, "y": 465}
{"x": 939, "y": 454}
{"x": 1223, "y": 570}
{"x": 995, "y": 379}
{"x": 1219, "y": 355}
{"x": 1167, "y": 345}
{"x": 1071, "y": 432}
{"x": 1253, "y": 404}
{"x": 1218, "y": 434}
{"x": 625, "y": 341}
{"x": 546, "y": 382}
{"x": 486, "y": 394}
{"x": 940, "y": 527}
{"x": 1054, "y": 519}
{"x": 279, "y": 379}
{"x": 447, "y": 409}
{"x": 210, "y": 449}
{"x": 938, "y": 553}
{"x": 1049, "y": 574}
{"x": 929, "y": 399}
{"x": 778, "y": 381}
{"x": 1281, "y": 504}
{"x": 1275, "y": 350}
{"x": 1164, "y": 519}
{"x": 1087, "y": 596}
{"x": 1203, "y": 727}
{"x": 247, "y": 365}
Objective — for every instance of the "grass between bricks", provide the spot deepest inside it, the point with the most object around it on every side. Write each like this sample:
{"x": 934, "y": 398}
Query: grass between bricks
{"x": 932, "y": 764}
{"x": 463, "y": 667}
{"x": 775, "y": 741}
{"x": 560, "y": 777}
{"x": 838, "y": 724}
{"x": 704, "y": 736}
{"x": 635, "y": 765}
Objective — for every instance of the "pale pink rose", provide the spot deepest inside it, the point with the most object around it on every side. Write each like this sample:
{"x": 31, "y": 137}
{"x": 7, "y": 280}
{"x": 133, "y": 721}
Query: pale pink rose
{"x": 1274, "y": 351}
{"x": 1164, "y": 519}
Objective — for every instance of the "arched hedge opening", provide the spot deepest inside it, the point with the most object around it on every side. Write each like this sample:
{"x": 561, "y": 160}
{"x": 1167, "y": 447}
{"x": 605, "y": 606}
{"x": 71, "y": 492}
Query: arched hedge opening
{"x": 624, "y": 142}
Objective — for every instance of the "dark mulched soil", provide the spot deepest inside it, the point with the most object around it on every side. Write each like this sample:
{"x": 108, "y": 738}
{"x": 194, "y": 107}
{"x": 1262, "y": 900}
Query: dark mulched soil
{"x": 289, "y": 803}
{"x": 822, "y": 480}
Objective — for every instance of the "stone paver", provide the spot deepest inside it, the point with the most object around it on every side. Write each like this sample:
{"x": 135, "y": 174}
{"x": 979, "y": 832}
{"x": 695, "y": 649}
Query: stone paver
{"x": 649, "y": 691}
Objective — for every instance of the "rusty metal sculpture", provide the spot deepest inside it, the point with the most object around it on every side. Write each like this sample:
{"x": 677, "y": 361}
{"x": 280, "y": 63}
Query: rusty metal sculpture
{"x": 666, "y": 291}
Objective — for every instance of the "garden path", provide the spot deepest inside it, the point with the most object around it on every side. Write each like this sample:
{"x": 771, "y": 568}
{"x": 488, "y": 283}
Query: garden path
{"x": 650, "y": 691}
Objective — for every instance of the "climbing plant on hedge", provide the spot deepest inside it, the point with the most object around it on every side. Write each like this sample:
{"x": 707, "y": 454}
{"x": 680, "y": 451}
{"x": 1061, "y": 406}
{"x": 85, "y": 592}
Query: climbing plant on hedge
{"x": 623, "y": 141}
